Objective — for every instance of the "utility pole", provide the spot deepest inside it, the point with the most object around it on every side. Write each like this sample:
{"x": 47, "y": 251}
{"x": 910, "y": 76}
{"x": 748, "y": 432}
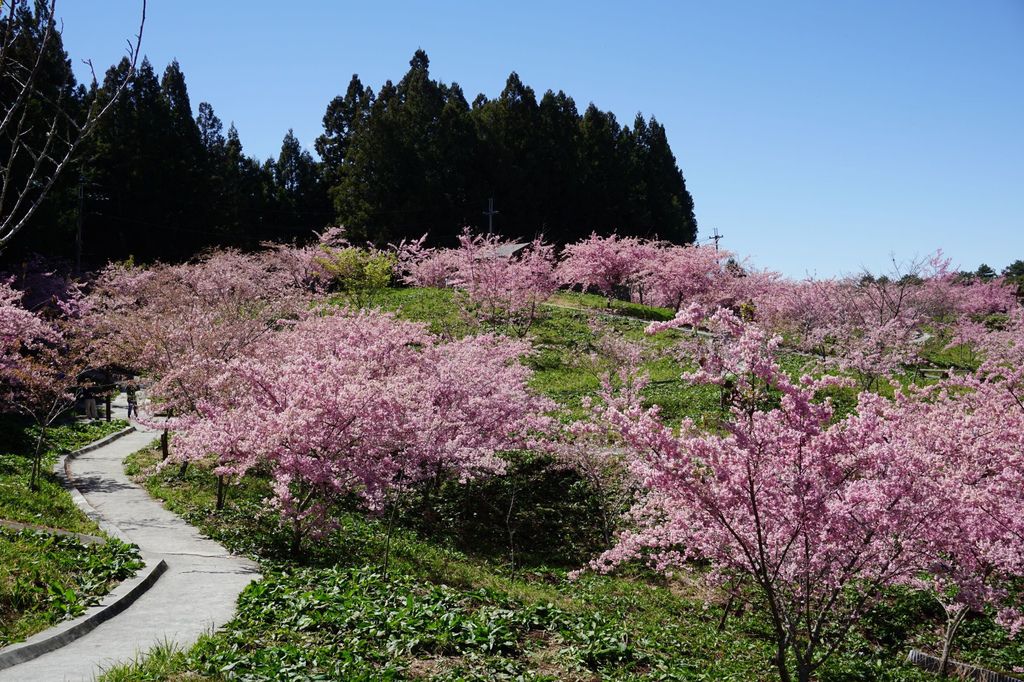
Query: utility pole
{"x": 490, "y": 213}
{"x": 716, "y": 237}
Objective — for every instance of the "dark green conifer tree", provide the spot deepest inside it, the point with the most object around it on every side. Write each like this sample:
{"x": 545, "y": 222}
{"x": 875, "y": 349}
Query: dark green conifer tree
{"x": 299, "y": 195}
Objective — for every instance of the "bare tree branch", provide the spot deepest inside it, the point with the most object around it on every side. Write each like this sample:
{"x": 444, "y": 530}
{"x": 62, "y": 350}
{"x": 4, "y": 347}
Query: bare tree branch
{"x": 23, "y": 193}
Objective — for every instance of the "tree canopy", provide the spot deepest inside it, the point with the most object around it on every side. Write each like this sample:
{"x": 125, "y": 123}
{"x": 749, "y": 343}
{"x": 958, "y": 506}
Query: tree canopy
{"x": 416, "y": 157}
{"x": 159, "y": 179}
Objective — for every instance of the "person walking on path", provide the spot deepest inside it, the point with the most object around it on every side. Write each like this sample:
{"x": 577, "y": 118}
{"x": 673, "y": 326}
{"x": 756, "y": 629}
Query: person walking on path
{"x": 90, "y": 404}
{"x": 131, "y": 390}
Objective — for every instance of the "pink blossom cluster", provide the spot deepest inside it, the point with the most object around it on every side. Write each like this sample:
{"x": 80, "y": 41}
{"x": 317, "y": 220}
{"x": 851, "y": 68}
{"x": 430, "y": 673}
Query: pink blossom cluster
{"x": 502, "y": 281}
{"x": 1000, "y": 344}
{"x": 973, "y": 427}
{"x": 360, "y": 403}
{"x": 611, "y": 265}
{"x": 179, "y": 325}
{"x": 925, "y": 489}
{"x": 871, "y": 327}
{"x": 41, "y": 361}
{"x": 19, "y": 328}
{"x": 426, "y": 267}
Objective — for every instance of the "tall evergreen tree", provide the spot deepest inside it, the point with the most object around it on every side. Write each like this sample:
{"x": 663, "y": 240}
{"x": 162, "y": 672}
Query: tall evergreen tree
{"x": 212, "y": 164}
{"x": 391, "y": 183}
{"x": 344, "y": 115}
{"x": 559, "y": 184}
{"x": 184, "y": 165}
{"x": 46, "y": 120}
{"x": 414, "y": 157}
{"x": 455, "y": 159}
{"x": 603, "y": 169}
{"x": 211, "y": 132}
{"x": 125, "y": 171}
{"x": 248, "y": 194}
{"x": 508, "y": 152}
{"x": 417, "y": 158}
{"x": 299, "y": 194}
{"x": 669, "y": 205}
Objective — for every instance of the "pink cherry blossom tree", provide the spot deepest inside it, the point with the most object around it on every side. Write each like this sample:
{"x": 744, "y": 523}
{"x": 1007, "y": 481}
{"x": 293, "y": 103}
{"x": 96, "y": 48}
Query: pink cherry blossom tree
{"x": 673, "y": 275}
{"x": 819, "y": 517}
{"x": 977, "y": 423}
{"x": 502, "y": 282}
{"x": 44, "y": 386}
{"x": 973, "y": 429}
{"x": 181, "y": 324}
{"x": 304, "y": 265}
{"x": 19, "y": 328}
{"x": 362, "y": 404}
{"x": 609, "y": 264}
{"x": 870, "y": 326}
{"x": 589, "y": 447}
{"x": 426, "y": 267}
{"x": 40, "y": 364}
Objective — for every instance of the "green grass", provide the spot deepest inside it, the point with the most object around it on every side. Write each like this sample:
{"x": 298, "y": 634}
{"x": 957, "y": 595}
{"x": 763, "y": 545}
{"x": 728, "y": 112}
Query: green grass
{"x": 436, "y": 307}
{"x": 564, "y": 333}
{"x": 453, "y": 608}
{"x": 561, "y": 335}
{"x": 441, "y": 612}
{"x": 51, "y": 505}
{"x": 162, "y": 662}
{"x": 46, "y": 578}
{"x": 599, "y": 304}
{"x": 452, "y": 613}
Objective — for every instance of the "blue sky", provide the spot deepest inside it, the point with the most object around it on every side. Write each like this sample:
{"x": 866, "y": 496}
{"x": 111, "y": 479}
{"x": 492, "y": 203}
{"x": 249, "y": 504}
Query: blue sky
{"x": 818, "y": 137}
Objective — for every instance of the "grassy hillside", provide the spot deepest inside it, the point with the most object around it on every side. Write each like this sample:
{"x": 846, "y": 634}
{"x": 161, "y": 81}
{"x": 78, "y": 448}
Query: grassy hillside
{"x": 477, "y": 583}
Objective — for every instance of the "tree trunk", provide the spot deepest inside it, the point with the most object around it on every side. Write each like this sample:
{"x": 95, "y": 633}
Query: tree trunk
{"x": 387, "y": 541}
{"x": 165, "y": 450}
{"x": 606, "y": 524}
{"x": 296, "y": 546}
{"x": 37, "y": 456}
{"x": 780, "y": 663}
{"x": 107, "y": 403}
{"x": 952, "y": 625}
{"x": 221, "y": 492}
{"x": 426, "y": 510}
{"x": 725, "y": 612}
{"x": 511, "y": 534}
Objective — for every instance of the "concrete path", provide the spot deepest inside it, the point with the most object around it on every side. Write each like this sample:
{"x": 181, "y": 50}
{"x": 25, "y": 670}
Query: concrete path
{"x": 197, "y": 593}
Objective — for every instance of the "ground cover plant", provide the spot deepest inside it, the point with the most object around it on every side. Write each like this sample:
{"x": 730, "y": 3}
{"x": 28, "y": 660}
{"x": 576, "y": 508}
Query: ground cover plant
{"x": 45, "y": 578}
{"x": 445, "y": 613}
{"x": 49, "y": 505}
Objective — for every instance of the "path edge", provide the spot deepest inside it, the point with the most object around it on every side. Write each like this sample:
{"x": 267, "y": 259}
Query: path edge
{"x": 113, "y": 603}
{"x": 63, "y": 472}
{"x": 958, "y": 670}
{"x": 116, "y": 601}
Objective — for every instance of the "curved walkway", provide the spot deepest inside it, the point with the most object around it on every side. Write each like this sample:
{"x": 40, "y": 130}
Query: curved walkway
{"x": 197, "y": 593}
